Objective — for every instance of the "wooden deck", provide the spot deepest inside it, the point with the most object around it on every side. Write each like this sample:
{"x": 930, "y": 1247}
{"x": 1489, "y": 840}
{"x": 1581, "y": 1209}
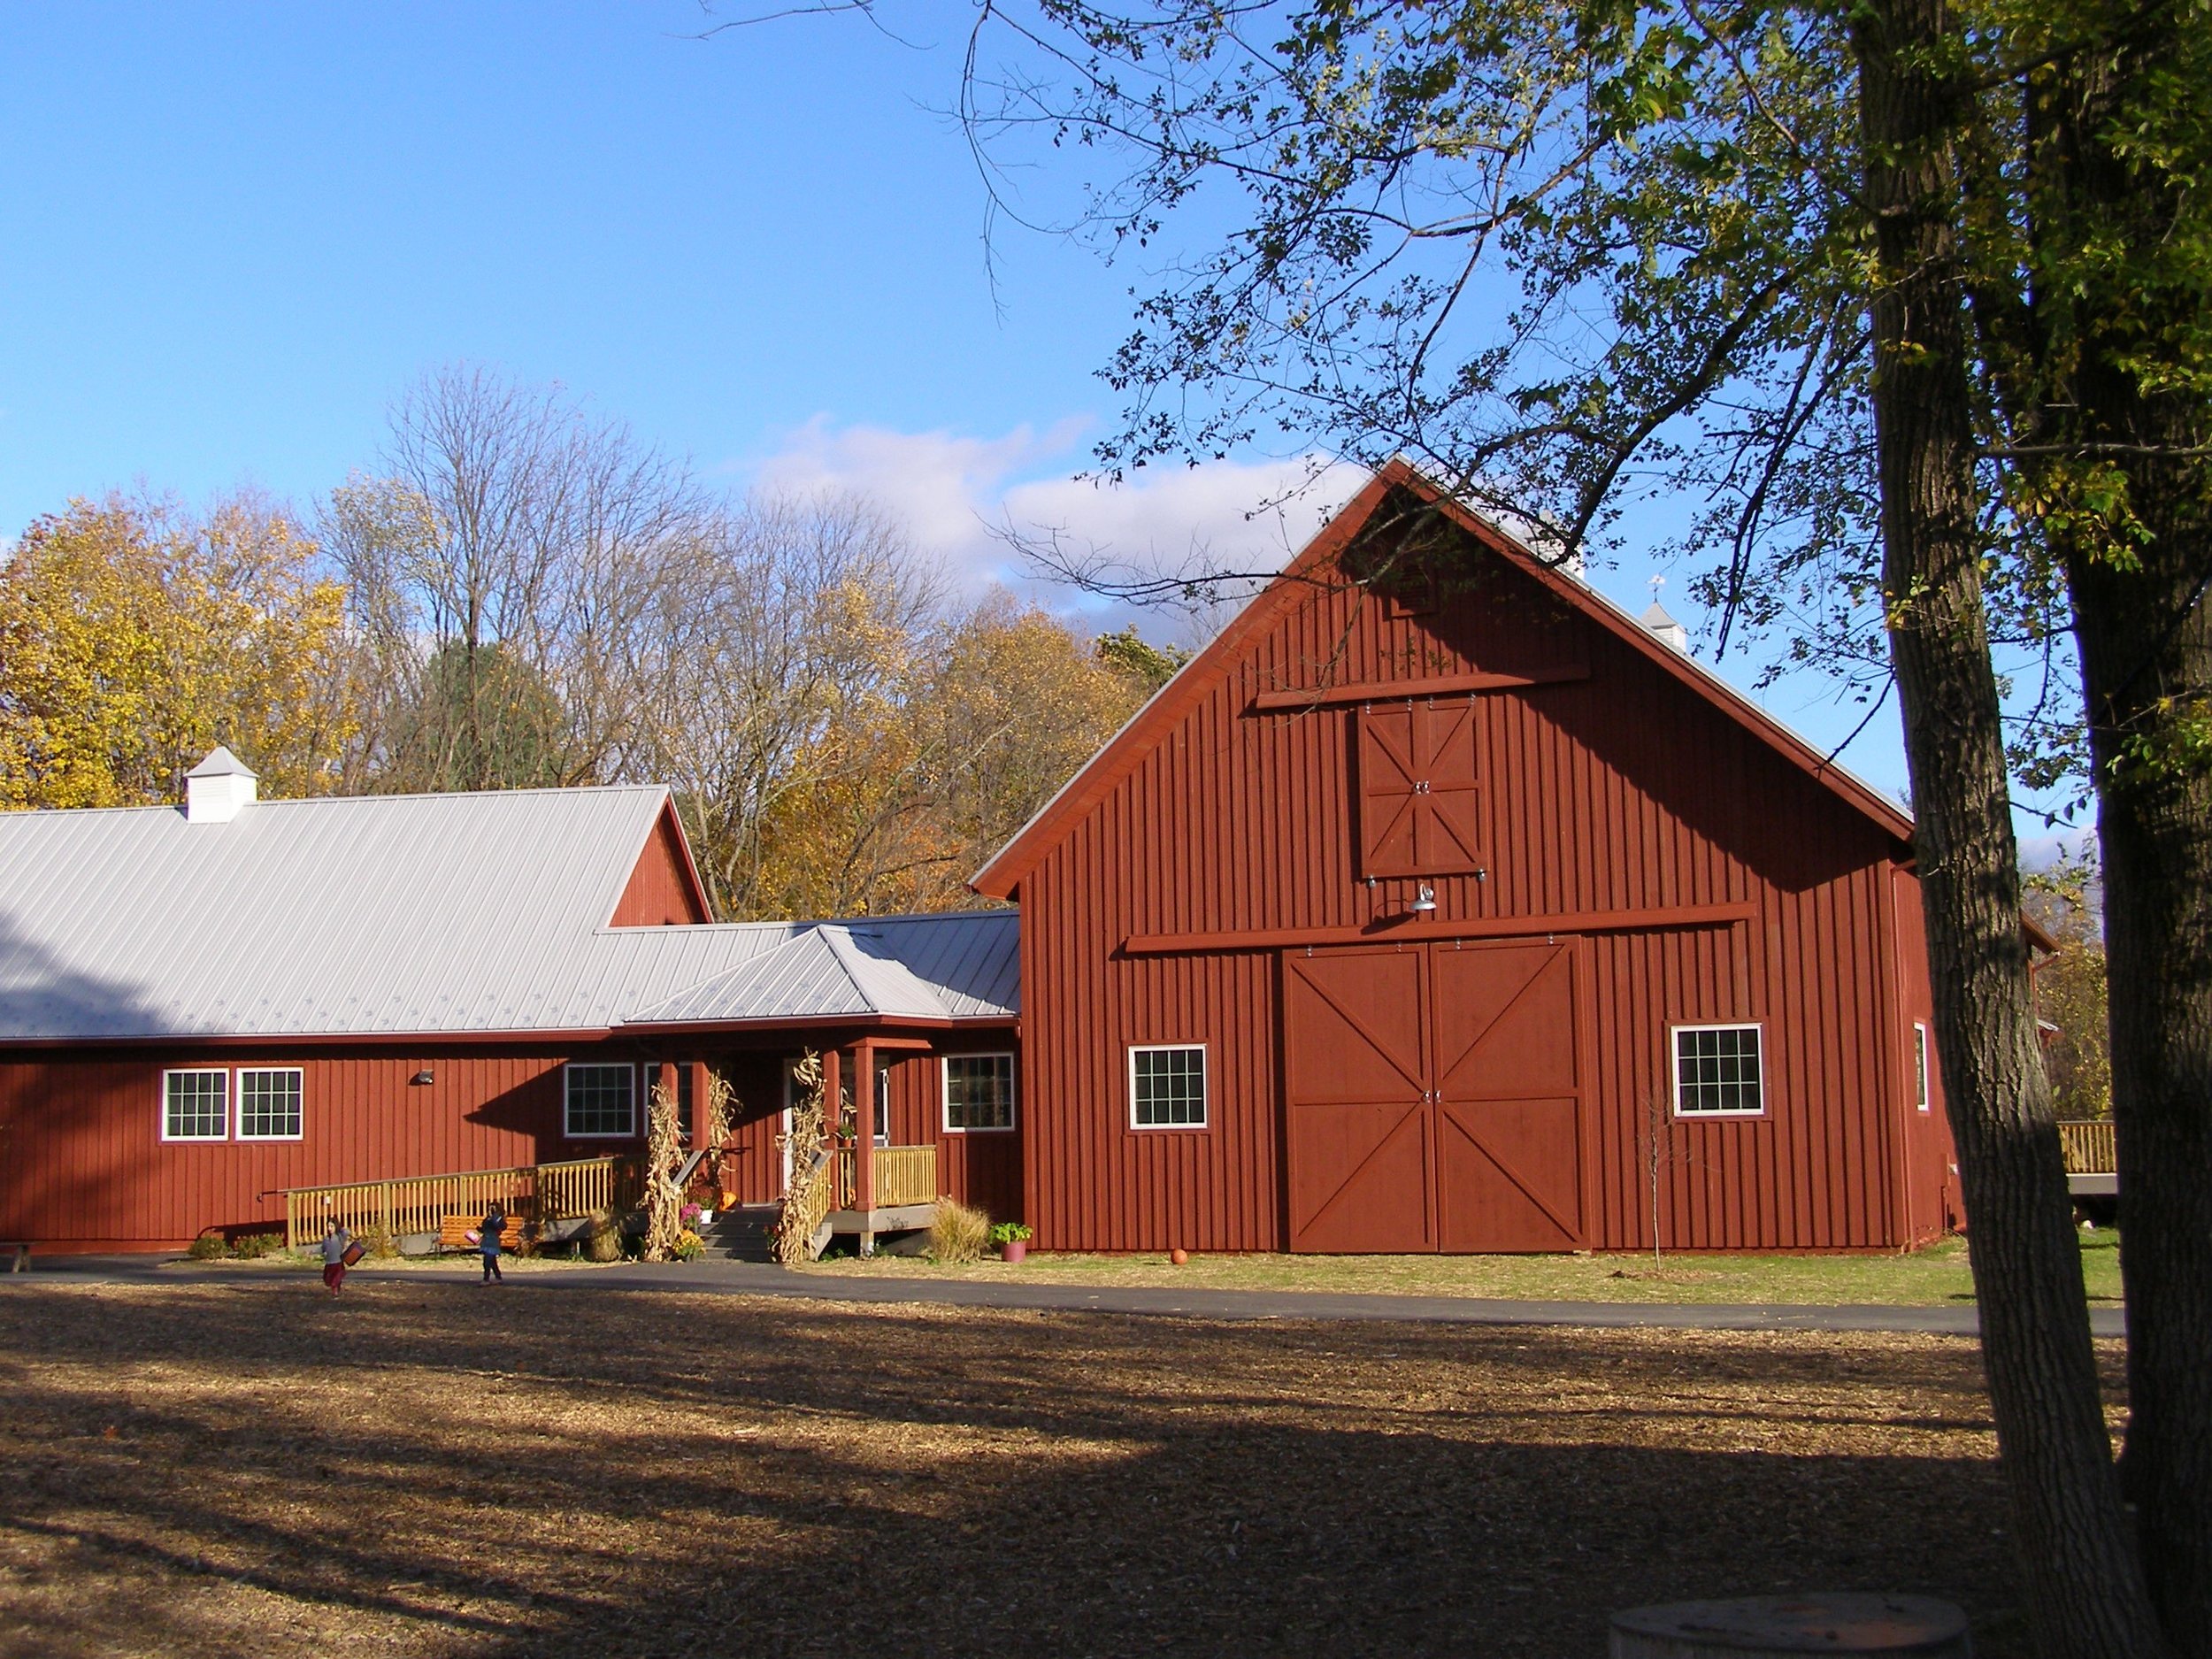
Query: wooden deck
{"x": 905, "y": 1175}
{"x": 2089, "y": 1146}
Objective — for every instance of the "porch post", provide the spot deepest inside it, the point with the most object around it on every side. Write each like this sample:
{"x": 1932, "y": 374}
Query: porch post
{"x": 697, "y": 1127}
{"x": 831, "y": 1109}
{"x": 864, "y": 1138}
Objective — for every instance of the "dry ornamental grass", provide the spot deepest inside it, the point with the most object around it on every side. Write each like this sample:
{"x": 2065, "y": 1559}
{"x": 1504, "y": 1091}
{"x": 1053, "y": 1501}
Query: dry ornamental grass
{"x": 422, "y": 1468}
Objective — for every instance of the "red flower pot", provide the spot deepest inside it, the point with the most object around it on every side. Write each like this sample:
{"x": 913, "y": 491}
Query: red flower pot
{"x": 1013, "y": 1249}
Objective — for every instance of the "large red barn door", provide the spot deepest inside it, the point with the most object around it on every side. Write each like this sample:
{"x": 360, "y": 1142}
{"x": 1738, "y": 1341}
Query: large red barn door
{"x": 1359, "y": 1122}
{"x": 1509, "y": 1138}
{"x": 1432, "y": 1098}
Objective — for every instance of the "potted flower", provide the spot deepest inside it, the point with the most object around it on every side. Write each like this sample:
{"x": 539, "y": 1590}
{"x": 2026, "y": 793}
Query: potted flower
{"x": 1012, "y": 1239}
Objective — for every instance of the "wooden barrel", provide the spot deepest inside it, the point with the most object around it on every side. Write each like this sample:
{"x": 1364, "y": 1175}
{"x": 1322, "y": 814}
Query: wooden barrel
{"x": 1777, "y": 1625}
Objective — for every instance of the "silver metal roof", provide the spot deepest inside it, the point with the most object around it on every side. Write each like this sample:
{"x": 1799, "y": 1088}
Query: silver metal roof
{"x": 915, "y": 967}
{"x": 393, "y": 915}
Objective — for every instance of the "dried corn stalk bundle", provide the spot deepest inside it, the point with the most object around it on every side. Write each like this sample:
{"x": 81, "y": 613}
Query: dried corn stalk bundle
{"x": 812, "y": 1169}
{"x": 664, "y": 1156}
{"x": 714, "y": 1127}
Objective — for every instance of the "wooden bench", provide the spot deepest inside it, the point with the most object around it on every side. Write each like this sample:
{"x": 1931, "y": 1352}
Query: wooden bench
{"x": 454, "y": 1230}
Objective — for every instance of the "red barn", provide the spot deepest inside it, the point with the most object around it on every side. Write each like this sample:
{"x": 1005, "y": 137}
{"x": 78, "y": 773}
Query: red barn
{"x": 1439, "y": 905}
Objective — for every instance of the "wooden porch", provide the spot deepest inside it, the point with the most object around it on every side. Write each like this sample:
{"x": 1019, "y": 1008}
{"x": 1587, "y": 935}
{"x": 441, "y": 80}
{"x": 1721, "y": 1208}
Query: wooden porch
{"x": 2092, "y": 1163}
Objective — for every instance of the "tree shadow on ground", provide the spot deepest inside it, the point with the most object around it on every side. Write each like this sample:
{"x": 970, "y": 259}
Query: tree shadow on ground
{"x": 438, "y": 1470}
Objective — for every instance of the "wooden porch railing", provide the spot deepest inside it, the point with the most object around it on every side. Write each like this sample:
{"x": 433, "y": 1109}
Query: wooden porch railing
{"x": 541, "y": 1193}
{"x": 2089, "y": 1146}
{"x": 905, "y": 1175}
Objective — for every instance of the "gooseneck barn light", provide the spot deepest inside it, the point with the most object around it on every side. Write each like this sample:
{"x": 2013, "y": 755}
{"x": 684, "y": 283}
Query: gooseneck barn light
{"x": 1424, "y": 902}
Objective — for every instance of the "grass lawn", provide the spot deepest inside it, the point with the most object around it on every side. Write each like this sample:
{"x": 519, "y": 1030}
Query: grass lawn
{"x": 419, "y": 1467}
{"x": 1929, "y": 1277}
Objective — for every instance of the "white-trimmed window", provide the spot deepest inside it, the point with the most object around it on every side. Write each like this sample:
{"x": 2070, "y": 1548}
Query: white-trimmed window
{"x": 1920, "y": 1065}
{"x": 195, "y": 1105}
{"x": 601, "y": 1101}
{"x": 978, "y": 1092}
{"x": 1719, "y": 1072}
{"x": 1167, "y": 1085}
{"x": 269, "y": 1103}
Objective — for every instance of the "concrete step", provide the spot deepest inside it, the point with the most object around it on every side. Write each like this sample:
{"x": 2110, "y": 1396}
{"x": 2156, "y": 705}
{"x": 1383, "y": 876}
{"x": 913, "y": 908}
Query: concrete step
{"x": 746, "y": 1234}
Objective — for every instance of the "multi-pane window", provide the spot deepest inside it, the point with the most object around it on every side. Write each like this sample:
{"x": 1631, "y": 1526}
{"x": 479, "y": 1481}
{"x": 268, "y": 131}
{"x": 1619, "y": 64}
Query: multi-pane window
{"x": 599, "y": 1100}
{"x": 1716, "y": 1072}
{"x": 195, "y": 1105}
{"x": 269, "y": 1104}
{"x": 1167, "y": 1088}
{"x": 979, "y": 1091}
{"x": 1920, "y": 1066}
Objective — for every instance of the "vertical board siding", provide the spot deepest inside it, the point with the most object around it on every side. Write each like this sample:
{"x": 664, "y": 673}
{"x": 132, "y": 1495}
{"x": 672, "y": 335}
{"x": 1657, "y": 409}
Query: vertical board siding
{"x": 87, "y": 1167}
{"x": 1620, "y": 791}
{"x": 660, "y": 892}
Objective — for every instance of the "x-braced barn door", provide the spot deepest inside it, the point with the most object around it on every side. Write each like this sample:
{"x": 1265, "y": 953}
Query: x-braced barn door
{"x": 1434, "y": 1098}
{"x": 1508, "y": 1091}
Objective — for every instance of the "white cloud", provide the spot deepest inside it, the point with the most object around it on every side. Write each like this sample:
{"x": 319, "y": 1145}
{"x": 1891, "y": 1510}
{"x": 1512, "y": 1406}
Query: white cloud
{"x": 957, "y": 497}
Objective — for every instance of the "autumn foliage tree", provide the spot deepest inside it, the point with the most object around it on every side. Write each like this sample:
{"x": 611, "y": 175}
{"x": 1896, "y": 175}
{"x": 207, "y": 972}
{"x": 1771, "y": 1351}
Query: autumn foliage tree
{"x": 135, "y": 637}
{"x": 908, "y": 789}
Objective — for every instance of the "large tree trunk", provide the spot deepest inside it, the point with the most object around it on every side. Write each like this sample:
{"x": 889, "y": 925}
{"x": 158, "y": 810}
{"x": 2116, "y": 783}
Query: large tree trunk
{"x": 2083, "y": 1580}
{"x": 2146, "y": 637}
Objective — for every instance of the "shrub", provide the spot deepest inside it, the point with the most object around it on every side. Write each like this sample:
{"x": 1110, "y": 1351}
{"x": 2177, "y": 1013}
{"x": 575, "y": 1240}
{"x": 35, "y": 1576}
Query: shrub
{"x": 252, "y": 1247}
{"x": 209, "y": 1246}
{"x": 959, "y": 1232}
{"x": 1010, "y": 1232}
{"x": 377, "y": 1242}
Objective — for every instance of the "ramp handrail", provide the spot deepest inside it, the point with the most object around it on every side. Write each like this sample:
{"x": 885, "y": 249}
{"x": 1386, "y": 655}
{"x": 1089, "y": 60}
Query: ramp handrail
{"x": 418, "y": 1203}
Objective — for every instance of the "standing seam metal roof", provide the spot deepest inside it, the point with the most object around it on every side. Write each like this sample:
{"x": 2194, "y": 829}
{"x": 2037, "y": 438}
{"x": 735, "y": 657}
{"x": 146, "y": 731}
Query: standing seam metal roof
{"x": 415, "y": 915}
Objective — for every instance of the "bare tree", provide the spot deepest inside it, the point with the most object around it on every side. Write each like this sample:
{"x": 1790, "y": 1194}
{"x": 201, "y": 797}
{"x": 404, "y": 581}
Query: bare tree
{"x": 514, "y": 565}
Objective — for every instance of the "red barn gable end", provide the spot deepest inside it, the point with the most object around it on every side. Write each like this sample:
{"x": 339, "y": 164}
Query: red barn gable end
{"x": 665, "y": 890}
{"x": 1383, "y": 927}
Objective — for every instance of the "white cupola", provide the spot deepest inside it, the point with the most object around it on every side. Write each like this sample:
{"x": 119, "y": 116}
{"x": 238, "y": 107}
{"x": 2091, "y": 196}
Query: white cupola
{"x": 219, "y": 789}
{"x": 1669, "y": 631}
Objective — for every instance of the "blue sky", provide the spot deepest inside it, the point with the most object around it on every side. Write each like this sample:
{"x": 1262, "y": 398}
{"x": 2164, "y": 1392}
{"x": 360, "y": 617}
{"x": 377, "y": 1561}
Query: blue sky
{"x": 237, "y": 231}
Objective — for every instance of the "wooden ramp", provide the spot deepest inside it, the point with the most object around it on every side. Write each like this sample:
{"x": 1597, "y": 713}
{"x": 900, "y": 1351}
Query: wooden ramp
{"x": 545, "y": 1195}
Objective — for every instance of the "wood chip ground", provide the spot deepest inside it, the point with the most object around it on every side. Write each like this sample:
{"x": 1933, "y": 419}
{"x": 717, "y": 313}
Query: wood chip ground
{"x": 421, "y": 1469}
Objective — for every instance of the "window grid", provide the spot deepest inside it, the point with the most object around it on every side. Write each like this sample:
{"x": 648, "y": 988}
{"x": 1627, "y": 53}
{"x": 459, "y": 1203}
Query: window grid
{"x": 1716, "y": 1072}
{"x": 195, "y": 1105}
{"x": 1167, "y": 1088}
{"x": 1920, "y": 1064}
{"x": 269, "y": 1104}
{"x": 979, "y": 1091}
{"x": 600, "y": 1101}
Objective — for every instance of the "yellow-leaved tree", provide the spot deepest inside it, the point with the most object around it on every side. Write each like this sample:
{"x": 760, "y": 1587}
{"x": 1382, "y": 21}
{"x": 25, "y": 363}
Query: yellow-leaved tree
{"x": 910, "y": 786}
{"x": 135, "y": 638}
